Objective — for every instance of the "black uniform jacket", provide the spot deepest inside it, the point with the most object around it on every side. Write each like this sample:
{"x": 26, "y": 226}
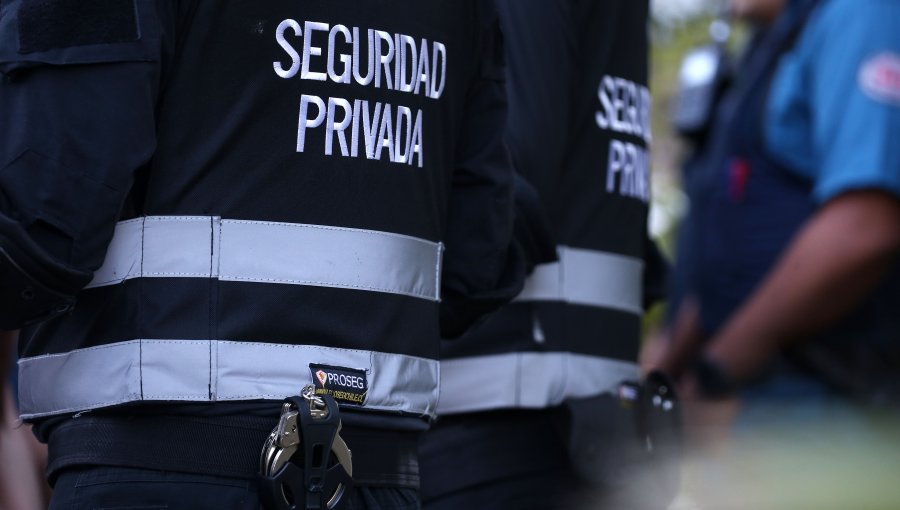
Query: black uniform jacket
{"x": 383, "y": 118}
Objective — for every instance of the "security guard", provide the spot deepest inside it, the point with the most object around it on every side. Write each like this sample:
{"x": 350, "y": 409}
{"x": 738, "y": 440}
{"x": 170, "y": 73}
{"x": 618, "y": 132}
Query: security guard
{"x": 539, "y": 377}
{"x": 208, "y": 206}
{"x": 745, "y": 206}
{"x": 813, "y": 206}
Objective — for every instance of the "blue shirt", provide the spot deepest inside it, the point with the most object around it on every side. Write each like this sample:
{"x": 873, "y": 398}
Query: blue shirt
{"x": 834, "y": 109}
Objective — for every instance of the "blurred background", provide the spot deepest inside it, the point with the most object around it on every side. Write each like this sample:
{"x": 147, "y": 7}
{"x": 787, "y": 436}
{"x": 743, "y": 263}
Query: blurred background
{"x": 771, "y": 471}
{"x": 676, "y": 27}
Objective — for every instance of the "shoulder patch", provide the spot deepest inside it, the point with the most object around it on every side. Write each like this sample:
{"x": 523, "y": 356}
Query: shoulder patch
{"x": 879, "y": 78}
{"x": 54, "y": 24}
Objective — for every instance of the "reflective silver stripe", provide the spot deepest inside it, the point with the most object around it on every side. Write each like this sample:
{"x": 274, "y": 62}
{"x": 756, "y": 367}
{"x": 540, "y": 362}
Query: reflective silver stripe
{"x": 588, "y": 277}
{"x": 212, "y": 370}
{"x": 267, "y": 252}
{"x": 526, "y": 380}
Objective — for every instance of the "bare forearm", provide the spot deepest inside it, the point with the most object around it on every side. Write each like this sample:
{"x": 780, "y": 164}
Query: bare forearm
{"x": 835, "y": 261}
{"x": 684, "y": 340}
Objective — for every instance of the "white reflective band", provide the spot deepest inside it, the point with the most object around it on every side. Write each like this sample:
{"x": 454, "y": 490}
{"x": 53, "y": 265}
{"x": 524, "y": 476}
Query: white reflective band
{"x": 588, "y": 277}
{"x": 213, "y": 370}
{"x": 533, "y": 380}
{"x": 267, "y": 252}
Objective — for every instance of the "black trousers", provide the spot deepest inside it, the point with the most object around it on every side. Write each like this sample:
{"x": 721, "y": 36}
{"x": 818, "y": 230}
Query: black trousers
{"x": 105, "y": 487}
{"x": 520, "y": 459}
{"x": 494, "y": 461}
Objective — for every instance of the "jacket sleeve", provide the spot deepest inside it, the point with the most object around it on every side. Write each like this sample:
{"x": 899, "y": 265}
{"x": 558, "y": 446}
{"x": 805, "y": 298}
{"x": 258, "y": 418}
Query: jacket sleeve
{"x": 483, "y": 267}
{"x": 542, "y": 50}
{"x": 532, "y": 230}
{"x": 77, "y": 100}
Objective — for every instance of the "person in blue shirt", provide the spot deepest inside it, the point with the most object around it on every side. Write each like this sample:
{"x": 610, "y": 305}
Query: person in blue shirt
{"x": 787, "y": 288}
{"x": 803, "y": 239}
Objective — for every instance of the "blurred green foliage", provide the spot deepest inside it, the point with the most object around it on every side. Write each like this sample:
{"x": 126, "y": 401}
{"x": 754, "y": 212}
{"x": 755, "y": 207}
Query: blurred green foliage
{"x": 669, "y": 45}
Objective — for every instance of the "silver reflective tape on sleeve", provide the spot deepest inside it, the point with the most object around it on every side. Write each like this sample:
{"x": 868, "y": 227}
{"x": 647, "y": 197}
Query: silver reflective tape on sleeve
{"x": 123, "y": 256}
{"x": 528, "y": 380}
{"x": 269, "y": 252}
{"x": 213, "y": 370}
{"x": 588, "y": 277}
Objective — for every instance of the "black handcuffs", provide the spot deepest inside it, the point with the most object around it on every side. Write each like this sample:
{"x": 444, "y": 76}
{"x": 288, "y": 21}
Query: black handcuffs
{"x": 305, "y": 464}
{"x": 659, "y": 414}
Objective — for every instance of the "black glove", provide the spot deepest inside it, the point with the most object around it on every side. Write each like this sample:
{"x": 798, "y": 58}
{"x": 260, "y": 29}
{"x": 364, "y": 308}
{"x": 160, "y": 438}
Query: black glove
{"x": 531, "y": 229}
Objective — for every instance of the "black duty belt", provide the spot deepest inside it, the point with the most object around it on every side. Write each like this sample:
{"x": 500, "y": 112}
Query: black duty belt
{"x": 221, "y": 446}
